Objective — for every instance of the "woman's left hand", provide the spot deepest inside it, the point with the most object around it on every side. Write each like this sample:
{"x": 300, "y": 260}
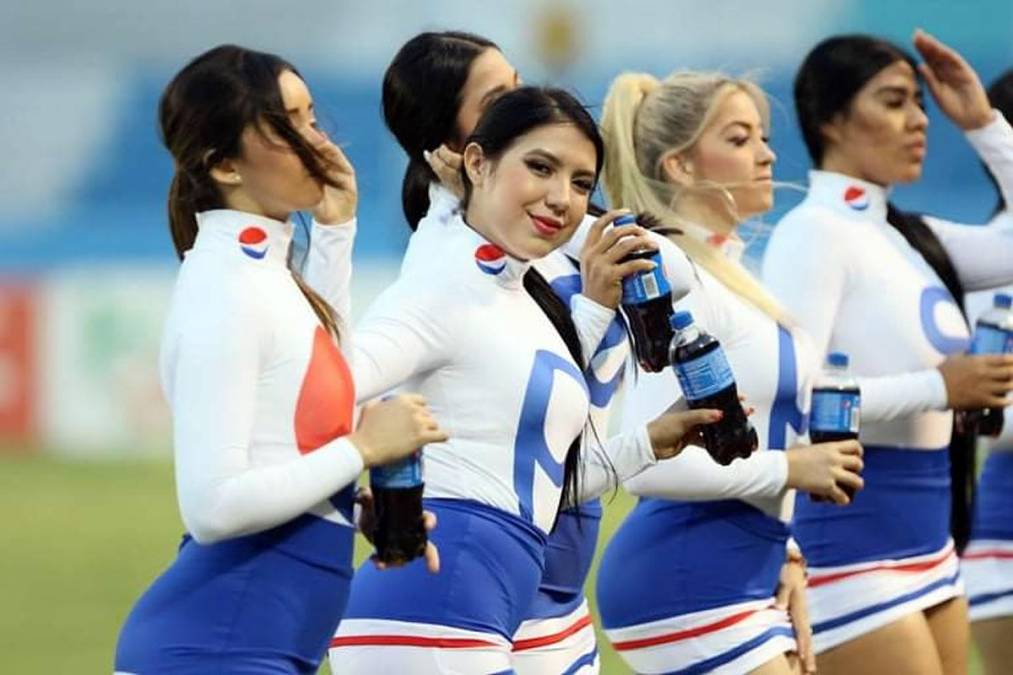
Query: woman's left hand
{"x": 791, "y": 597}
{"x": 340, "y": 200}
{"x": 953, "y": 83}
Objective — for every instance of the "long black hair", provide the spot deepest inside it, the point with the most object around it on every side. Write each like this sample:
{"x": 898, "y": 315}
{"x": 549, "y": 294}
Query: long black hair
{"x": 202, "y": 115}
{"x": 507, "y": 119}
{"x": 825, "y": 86}
{"x": 421, "y": 98}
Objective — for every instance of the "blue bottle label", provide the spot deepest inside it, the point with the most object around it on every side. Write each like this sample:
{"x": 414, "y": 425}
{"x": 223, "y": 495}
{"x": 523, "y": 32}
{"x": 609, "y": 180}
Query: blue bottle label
{"x": 705, "y": 375}
{"x": 991, "y": 340}
{"x": 835, "y": 411}
{"x": 644, "y": 286}
{"x": 406, "y": 473}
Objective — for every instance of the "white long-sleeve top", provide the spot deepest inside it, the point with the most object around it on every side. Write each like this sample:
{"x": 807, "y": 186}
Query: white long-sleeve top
{"x": 459, "y": 328}
{"x": 857, "y": 286}
{"x": 774, "y": 368}
{"x": 261, "y": 397}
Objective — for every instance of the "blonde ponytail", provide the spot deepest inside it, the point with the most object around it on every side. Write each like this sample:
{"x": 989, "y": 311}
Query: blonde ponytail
{"x": 645, "y": 120}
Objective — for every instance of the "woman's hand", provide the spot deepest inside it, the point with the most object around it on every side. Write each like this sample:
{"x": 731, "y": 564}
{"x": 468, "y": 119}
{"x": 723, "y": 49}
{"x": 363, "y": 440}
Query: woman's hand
{"x": 366, "y": 524}
{"x": 394, "y": 428}
{"x": 791, "y": 597}
{"x": 600, "y": 270}
{"x": 341, "y": 199}
{"x": 827, "y": 470}
{"x": 446, "y": 164}
{"x": 953, "y": 83}
{"x": 977, "y": 381}
{"x": 673, "y": 431}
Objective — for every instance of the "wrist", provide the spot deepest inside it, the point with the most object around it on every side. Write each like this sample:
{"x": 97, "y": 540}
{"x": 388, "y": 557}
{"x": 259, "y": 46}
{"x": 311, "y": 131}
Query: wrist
{"x": 363, "y": 448}
{"x": 979, "y": 120}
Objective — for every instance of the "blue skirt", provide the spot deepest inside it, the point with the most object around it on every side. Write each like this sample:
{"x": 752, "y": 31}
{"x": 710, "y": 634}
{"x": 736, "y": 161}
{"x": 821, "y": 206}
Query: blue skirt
{"x": 263, "y": 603}
{"x": 903, "y": 511}
{"x": 671, "y": 558}
{"x": 491, "y": 563}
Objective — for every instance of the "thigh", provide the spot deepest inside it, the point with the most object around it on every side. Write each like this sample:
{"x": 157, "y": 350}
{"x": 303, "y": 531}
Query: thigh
{"x": 993, "y": 639}
{"x": 951, "y": 632}
{"x": 904, "y": 647}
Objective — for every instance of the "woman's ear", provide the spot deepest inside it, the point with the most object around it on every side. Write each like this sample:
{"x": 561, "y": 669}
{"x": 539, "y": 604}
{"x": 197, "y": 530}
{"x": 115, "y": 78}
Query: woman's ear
{"x": 223, "y": 171}
{"x": 677, "y": 169}
{"x": 475, "y": 164}
{"x": 832, "y": 131}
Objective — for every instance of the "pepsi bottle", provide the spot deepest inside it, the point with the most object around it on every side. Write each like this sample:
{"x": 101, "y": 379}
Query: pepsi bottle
{"x": 400, "y": 534}
{"x": 647, "y": 304}
{"x": 835, "y": 414}
{"x": 707, "y": 382}
{"x": 993, "y": 334}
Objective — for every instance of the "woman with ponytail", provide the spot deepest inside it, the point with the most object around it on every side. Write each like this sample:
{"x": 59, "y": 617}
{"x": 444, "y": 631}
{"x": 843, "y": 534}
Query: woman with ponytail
{"x": 469, "y": 324}
{"x": 689, "y": 584}
{"x": 886, "y": 286}
{"x": 267, "y": 449}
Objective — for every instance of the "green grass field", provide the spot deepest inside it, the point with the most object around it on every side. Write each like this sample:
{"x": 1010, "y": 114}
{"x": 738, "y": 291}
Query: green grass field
{"x": 81, "y": 540}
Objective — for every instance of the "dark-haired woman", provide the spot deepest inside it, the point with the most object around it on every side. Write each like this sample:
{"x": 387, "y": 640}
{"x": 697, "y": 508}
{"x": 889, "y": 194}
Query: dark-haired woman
{"x": 434, "y": 92}
{"x": 880, "y": 285}
{"x": 473, "y": 327}
{"x": 266, "y": 449}
{"x": 987, "y": 562}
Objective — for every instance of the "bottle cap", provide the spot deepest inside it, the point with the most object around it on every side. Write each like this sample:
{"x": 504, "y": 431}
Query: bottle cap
{"x": 681, "y": 320}
{"x": 837, "y": 359}
{"x": 1002, "y": 301}
{"x": 628, "y": 219}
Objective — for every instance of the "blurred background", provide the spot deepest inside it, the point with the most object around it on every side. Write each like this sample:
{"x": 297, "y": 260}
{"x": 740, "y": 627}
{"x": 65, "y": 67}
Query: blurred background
{"x": 86, "y": 262}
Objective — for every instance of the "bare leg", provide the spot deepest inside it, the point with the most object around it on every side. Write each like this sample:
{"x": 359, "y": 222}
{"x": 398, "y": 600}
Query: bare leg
{"x": 950, "y": 631}
{"x": 994, "y": 638}
{"x": 904, "y": 647}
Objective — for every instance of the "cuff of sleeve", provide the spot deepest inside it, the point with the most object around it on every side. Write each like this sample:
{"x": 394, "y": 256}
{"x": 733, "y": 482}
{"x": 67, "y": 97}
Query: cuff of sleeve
{"x": 935, "y": 386}
{"x": 792, "y": 547}
{"x": 442, "y": 200}
{"x": 779, "y": 470}
{"x": 996, "y": 131}
{"x": 598, "y": 315}
{"x": 639, "y": 457}
{"x": 335, "y": 232}
{"x": 343, "y": 460}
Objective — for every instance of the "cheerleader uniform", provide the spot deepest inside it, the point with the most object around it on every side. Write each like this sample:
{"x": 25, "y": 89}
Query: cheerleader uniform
{"x": 987, "y": 563}
{"x": 858, "y": 287}
{"x": 688, "y": 586}
{"x": 459, "y": 328}
{"x": 261, "y": 400}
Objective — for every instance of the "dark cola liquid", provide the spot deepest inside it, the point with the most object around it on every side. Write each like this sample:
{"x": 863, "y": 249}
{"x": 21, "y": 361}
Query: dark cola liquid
{"x": 695, "y": 363}
{"x": 400, "y": 534}
{"x": 647, "y": 304}
{"x": 834, "y": 417}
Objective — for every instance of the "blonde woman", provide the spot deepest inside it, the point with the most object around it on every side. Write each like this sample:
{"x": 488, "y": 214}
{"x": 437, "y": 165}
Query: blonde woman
{"x": 703, "y": 586}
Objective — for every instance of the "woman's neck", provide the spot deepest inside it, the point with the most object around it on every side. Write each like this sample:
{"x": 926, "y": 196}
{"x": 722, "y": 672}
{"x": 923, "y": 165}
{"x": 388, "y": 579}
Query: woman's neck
{"x": 839, "y": 163}
{"x": 713, "y": 214}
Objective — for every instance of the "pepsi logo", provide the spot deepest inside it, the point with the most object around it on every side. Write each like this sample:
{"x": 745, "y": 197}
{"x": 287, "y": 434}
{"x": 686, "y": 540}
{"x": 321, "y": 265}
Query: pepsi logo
{"x": 254, "y": 243}
{"x": 490, "y": 259}
{"x": 856, "y": 198}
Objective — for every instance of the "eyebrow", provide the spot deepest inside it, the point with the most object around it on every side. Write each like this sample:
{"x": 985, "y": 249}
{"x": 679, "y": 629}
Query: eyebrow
{"x": 555, "y": 161}
{"x": 897, "y": 89}
{"x": 295, "y": 111}
{"x": 738, "y": 123}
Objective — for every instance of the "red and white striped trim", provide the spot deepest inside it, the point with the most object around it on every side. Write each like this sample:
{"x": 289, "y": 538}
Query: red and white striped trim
{"x": 828, "y": 575}
{"x": 556, "y": 637}
{"x": 684, "y": 641}
{"x": 987, "y": 568}
{"x": 380, "y": 633}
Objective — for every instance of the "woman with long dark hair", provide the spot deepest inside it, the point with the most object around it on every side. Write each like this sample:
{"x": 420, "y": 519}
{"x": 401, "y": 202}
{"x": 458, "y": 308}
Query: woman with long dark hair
{"x": 473, "y": 326}
{"x": 987, "y": 562}
{"x": 267, "y": 451}
{"x": 884, "y": 286}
